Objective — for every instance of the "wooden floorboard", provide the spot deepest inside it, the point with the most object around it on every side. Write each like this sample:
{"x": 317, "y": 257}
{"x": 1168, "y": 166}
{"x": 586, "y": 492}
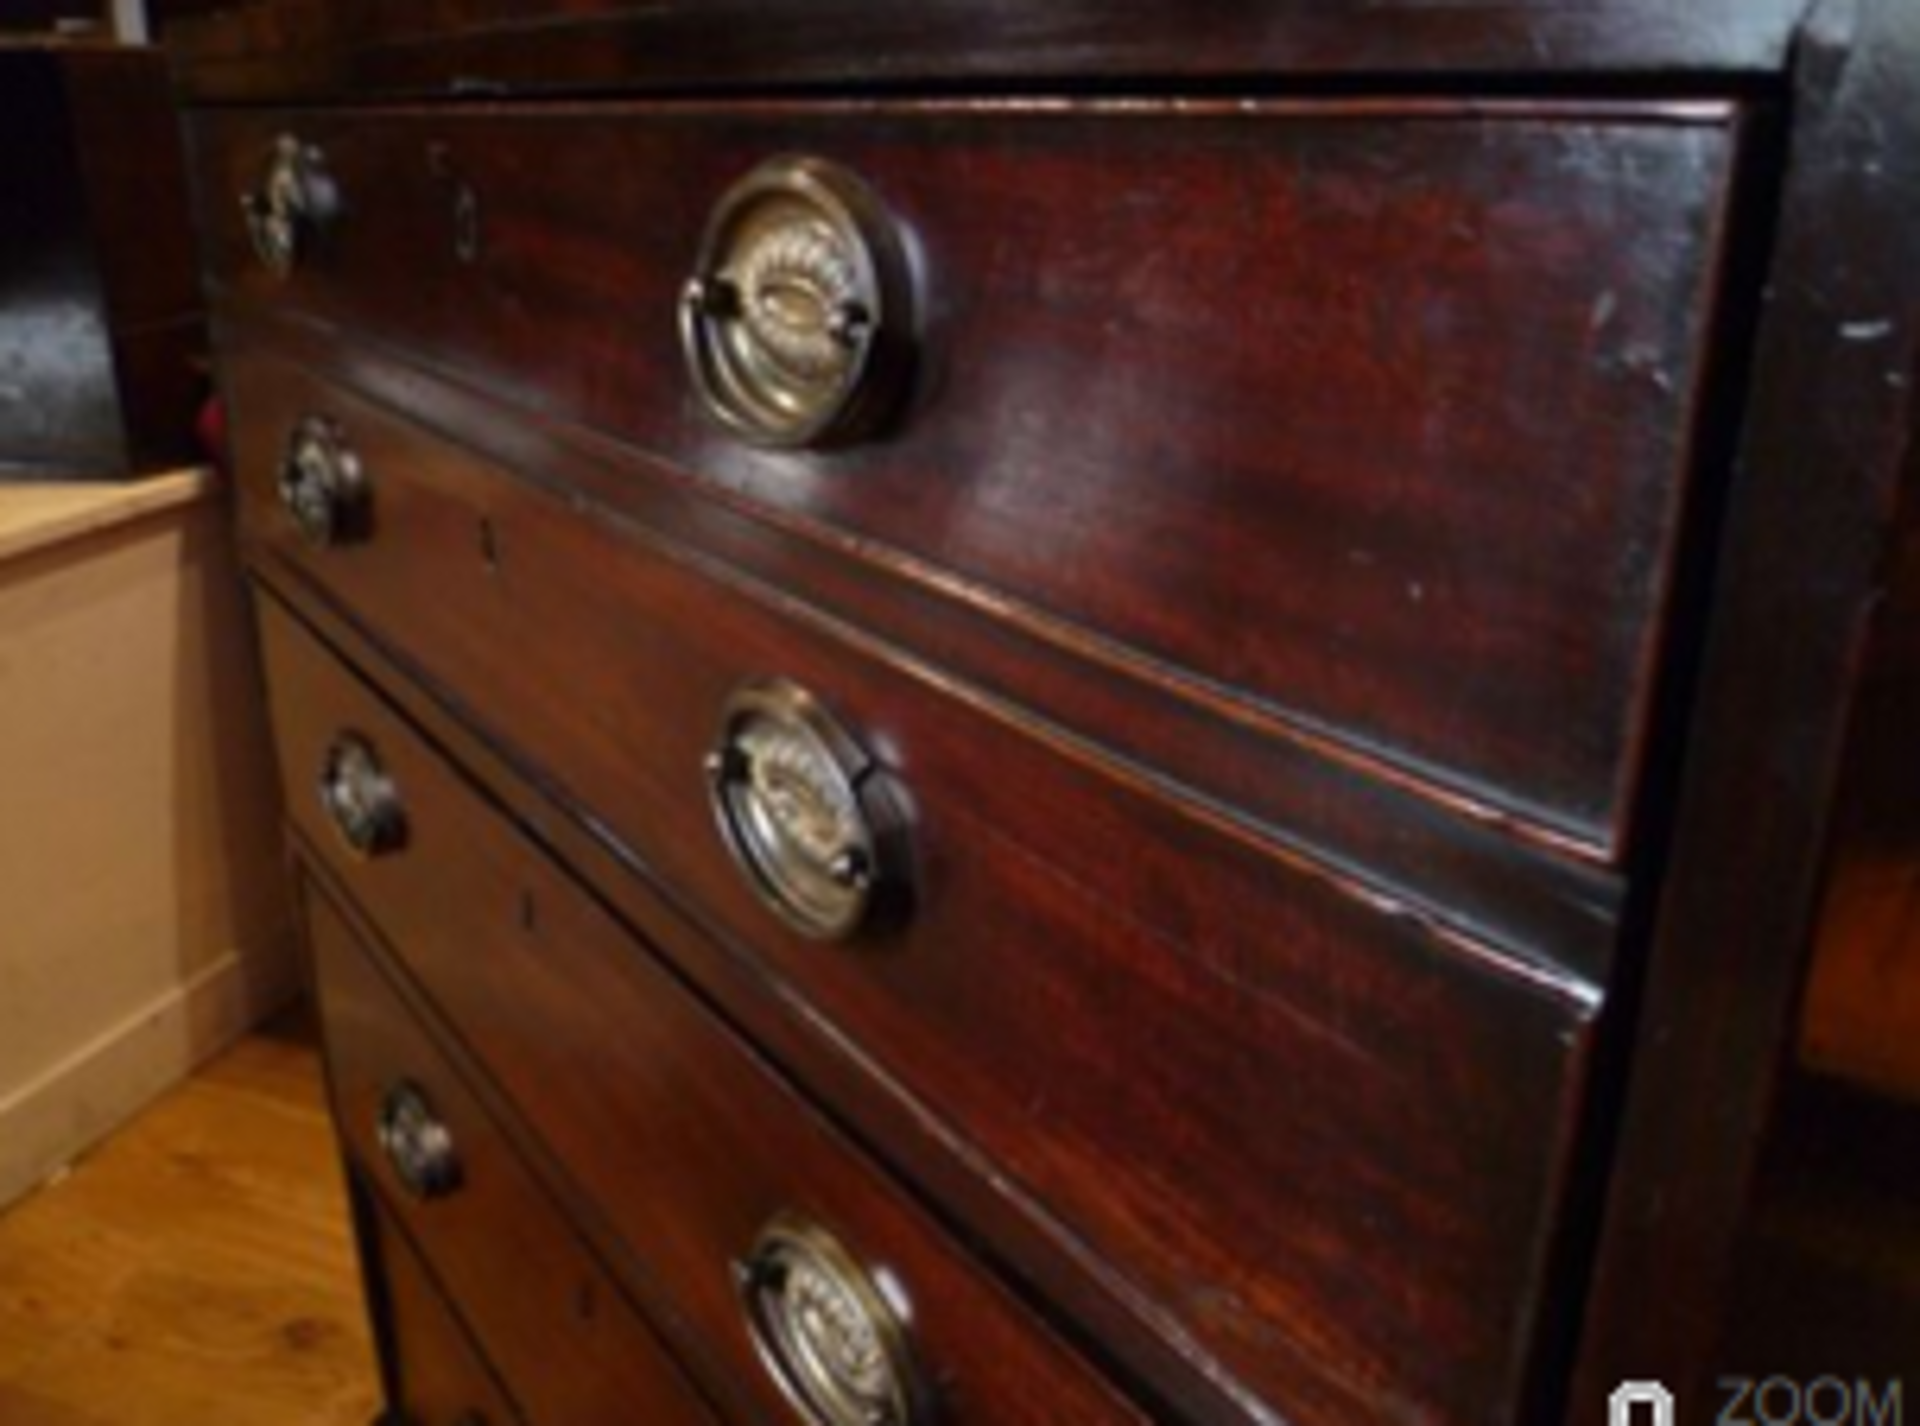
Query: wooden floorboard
{"x": 197, "y": 1268}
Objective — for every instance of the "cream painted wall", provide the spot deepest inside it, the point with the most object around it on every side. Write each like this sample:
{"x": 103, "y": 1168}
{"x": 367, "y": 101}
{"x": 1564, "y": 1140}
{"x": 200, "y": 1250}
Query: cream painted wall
{"x": 143, "y": 915}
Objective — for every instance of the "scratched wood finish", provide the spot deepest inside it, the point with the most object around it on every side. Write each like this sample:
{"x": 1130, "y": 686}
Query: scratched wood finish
{"x": 330, "y": 48}
{"x": 1377, "y": 1245}
{"x": 568, "y": 1345}
{"x": 1284, "y": 792}
{"x": 1779, "y": 827}
{"x": 1440, "y": 362}
{"x": 675, "y": 1135}
{"x": 913, "y": 1143}
{"x": 1743, "y": 1195}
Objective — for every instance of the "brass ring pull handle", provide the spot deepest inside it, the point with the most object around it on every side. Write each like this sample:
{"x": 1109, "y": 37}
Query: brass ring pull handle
{"x": 828, "y": 1332}
{"x": 293, "y": 204}
{"x": 323, "y": 485}
{"x": 806, "y": 813}
{"x": 417, "y": 1144}
{"x": 798, "y": 322}
{"x": 360, "y": 799}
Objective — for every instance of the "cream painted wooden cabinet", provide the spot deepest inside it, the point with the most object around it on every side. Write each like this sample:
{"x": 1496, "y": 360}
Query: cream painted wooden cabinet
{"x": 143, "y": 920}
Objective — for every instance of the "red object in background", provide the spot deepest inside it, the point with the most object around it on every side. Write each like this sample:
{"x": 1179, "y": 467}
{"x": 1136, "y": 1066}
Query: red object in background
{"x": 210, "y": 430}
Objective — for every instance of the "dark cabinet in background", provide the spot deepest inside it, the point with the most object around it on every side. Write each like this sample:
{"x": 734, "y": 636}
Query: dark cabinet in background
{"x": 101, "y": 336}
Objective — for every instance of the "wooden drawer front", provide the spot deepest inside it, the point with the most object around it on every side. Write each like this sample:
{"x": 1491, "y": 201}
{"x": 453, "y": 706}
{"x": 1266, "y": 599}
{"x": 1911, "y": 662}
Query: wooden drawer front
{"x": 1371, "y": 417}
{"x": 1323, "y": 1141}
{"x": 439, "y": 1378}
{"x": 568, "y": 1345}
{"x": 682, "y": 1138}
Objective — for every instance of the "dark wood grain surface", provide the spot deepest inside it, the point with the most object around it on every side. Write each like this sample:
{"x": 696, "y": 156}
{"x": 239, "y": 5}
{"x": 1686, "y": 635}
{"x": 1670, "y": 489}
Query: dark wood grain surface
{"x": 1439, "y": 364}
{"x": 1861, "y": 1016}
{"x": 127, "y": 138}
{"x": 1826, "y": 486}
{"x": 1826, "y": 1277}
{"x": 1393, "y": 793}
{"x": 127, "y": 143}
{"x": 1004, "y": 1224}
{"x": 325, "y": 47}
{"x": 442, "y": 1380}
{"x": 681, "y": 1144}
{"x": 1298, "y": 796}
{"x": 568, "y": 1345}
{"x": 1140, "y": 932}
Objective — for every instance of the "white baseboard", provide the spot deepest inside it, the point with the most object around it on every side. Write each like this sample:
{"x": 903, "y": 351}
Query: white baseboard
{"x": 53, "y": 1119}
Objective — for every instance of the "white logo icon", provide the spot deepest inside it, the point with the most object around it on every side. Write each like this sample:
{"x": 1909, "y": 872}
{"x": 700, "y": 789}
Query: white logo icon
{"x": 1632, "y": 1394}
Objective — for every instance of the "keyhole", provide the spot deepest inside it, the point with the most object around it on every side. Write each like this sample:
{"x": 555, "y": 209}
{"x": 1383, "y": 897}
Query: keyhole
{"x": 489, "y": 545}
{"x": 465, "y": 202}
{"x": 466, "y": 223}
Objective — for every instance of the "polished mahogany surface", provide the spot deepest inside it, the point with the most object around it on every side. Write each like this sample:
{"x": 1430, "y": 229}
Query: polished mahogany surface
{"x": 1441, "y": 361}
{"x": 466, "y": 47}
{"x": 688, "y": 1147}
{"x": 444, "y": 1380}
{"x": 1795, "y": 815}
{"x": 568, "y": 1347}
{"x": 1155, "y": 935}
{"x": 1286, "y": 795}
{"x": 1861, "y": 1017}
{"x": 1380, "y": 624}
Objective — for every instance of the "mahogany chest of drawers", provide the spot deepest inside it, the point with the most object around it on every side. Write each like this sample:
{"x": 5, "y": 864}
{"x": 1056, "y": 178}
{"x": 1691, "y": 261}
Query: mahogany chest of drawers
{"x": 1070, "y": 713}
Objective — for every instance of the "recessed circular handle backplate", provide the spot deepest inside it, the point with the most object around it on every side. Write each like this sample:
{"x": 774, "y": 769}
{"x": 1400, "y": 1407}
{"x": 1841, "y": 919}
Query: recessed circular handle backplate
{"x": 323, "y": 484}
{"x": 291, "y": 205}
{"x": 360, "y": 799}
{"x": 833, "y": 1339}
{"x": 806, "y": 813}
{"x": 798, "y": 322}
